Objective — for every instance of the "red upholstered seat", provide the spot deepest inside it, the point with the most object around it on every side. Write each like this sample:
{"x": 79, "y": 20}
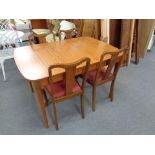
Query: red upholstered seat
{"x": 92, "y": 75}
{"x": 60, "y": 87}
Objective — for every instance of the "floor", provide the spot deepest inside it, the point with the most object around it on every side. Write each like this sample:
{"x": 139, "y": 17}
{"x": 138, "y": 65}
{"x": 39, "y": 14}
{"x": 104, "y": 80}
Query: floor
{"x": 131, "y": 112}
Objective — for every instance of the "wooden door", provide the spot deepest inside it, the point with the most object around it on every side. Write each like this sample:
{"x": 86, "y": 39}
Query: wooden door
{"x": 126, "y": 37}
{"x": 115, "y": 31}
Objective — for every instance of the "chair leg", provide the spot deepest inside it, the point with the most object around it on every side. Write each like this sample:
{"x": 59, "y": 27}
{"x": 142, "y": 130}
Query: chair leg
{"x": 82, "y": 106}
{"x": 93, "y": 98}
{"x": 31, "y": 87}
{"x": 45, "y": 97}
{"x": 55, "y": 116}
{"x": 111, "y": 94}
{"x": 3, "y": 70}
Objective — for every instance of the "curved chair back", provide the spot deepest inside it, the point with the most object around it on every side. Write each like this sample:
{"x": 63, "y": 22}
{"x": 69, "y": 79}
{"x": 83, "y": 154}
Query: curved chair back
{"x": 113, "y": 64}
{"x": 70, "y": 74}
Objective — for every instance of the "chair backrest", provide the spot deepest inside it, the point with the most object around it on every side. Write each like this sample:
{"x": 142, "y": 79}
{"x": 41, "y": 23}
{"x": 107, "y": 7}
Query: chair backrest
{"x": 66, "y": 25}
{"x": 8, "y": 38}
{"x": 79, "y": 23}
{"x": 5, "y": 24}
{"x": 67, "y": 34}
{"x": 113, "y": 64}
{"x": 70, "y": 73}
{"x": 70, "y": 29}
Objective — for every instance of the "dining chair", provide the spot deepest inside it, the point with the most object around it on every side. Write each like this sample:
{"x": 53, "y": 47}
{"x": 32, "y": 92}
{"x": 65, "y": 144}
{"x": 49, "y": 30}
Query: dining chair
{"x": 67, "y": 34}
{"x": 40, "y": 28}
{"x": 52, "y": 37}
{"x": 68, "y": 30}
{"x": 31, "y": 39}
{"x": 79, "y": 23}
{"x": 69, "y": 86}
{"x": 106, "y": 72}
{"x": 57, "y": 25}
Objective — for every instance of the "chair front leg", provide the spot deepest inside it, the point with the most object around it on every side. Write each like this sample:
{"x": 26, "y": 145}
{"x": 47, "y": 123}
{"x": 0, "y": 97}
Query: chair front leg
{"x": 94, "y": 98}
{"x": 55, "y": 116}
{"x": 31, "y": 86}
{"x": 82, "y": 106}
{"x": 45, "y": 97}
{"x": 3, "y": 70}
{"x": 111, "y": 94}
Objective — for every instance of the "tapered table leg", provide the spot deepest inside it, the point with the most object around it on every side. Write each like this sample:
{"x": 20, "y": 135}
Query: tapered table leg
{"x": 41, "y": 103}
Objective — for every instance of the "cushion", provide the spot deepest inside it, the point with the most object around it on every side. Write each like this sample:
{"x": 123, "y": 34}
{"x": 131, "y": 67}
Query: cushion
{"x": 92, "y": 74}
{"x": 40, "y": 31}
{"x": 65, "y": 25}
{"x": 49, "y": 38}
{"x": 59, "y": 88}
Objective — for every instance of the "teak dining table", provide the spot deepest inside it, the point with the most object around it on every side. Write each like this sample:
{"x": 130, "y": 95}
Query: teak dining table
{"x": 33, "y": 61}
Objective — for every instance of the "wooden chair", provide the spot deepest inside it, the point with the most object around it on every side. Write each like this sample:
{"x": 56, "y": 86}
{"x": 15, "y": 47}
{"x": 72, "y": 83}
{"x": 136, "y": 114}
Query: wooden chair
{"x": 41, "y": 28}
{"x": 31, "y": 39}
{"x": 68, "y": 87}
{"x": 79, "y": 23}
{"x": 67, "y": 34}
{"x": 106, "y": 73}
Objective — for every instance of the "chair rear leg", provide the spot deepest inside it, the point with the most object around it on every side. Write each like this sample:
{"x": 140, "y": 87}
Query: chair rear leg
{"x": 94, "y": 99}
{"x": 82, "y": 106}
{"x": 31, "y": 86}
{"x": 45, "y": 97}
{"x": 55, "y": 116}
{"x": 3, "y": 70}
{"x": 111, "y": 94}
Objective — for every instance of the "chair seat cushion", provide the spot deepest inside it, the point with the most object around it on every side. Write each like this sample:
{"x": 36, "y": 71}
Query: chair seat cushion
{"x": 50, "y": 38}
{"x": 40, "y": 31}
{"x": 92, "y": 75}
{"x": 59, "y": 88}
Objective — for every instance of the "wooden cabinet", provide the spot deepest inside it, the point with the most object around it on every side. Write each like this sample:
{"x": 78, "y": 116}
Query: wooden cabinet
{"x": 39, "y": 23}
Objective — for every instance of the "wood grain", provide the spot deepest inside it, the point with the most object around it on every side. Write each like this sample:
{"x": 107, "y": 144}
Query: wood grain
{"x": 33, "y": 61}
{"x": 39, "y": 23}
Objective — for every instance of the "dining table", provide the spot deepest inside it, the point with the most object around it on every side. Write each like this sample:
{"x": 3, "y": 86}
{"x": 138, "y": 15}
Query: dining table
{"x": 33, "y": 61}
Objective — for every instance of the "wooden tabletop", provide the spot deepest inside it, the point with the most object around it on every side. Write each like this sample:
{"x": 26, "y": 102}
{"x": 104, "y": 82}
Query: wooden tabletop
{"x": 33, "y": 61}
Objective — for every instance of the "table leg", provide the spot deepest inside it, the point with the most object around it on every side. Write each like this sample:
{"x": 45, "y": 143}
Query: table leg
{"x": 41, "y": 102}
